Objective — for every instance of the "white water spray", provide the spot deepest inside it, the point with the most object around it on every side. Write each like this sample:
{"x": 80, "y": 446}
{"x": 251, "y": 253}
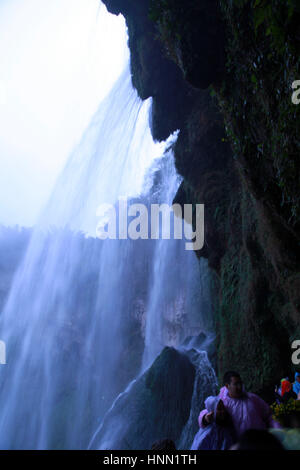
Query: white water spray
{"x": 71, "y": 317}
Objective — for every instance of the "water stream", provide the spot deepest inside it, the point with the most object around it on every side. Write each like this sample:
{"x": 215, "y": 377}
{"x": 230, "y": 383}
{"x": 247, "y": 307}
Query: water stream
{"x": 85, "y": 316}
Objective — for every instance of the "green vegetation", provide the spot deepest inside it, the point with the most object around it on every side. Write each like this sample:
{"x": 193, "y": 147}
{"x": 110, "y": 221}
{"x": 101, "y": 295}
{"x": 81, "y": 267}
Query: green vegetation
{"x": 282, "y": 412}
{"x": 170, "y": 17}
{"x": 262, "y": 62}
{"x": 247, "y": 176}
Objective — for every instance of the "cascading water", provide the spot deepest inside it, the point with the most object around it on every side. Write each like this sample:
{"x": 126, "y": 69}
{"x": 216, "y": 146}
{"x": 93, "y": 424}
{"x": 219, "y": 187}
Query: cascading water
{"x": 174, "y": 298}
{"x": 176, "y": 313}
{"x": 80, "y": 309}
{"x": 68, "y": 287}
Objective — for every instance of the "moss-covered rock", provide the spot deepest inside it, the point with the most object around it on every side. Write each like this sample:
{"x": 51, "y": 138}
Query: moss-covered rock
{"x": 241, "y": 165}
{"x": 194, "y": 37}
{"x": 153, "y": 74}
{"x": 157, "y": 405}
{"x": 259, "y": 312}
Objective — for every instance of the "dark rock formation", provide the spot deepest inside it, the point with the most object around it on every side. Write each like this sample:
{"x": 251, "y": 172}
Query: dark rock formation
{"x": 193, "y": 35}
{"x": 202, "y": 155}
{"x": 152, "y": 73}
{"x": 244, "y": 172}
{"x": 205, "y": 385}
{"x": 151, "y": 409}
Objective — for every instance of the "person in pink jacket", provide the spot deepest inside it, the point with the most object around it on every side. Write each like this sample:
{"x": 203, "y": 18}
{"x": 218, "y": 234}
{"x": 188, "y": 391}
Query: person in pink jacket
{"x": 247, "y": 410}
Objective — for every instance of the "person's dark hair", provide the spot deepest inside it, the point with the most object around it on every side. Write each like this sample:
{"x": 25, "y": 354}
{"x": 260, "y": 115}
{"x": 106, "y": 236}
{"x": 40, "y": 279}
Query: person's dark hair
{"x": 164, "y": 444}
{"x": 258, "y": 439}
{"x": 228, "y": 375}
{"x": 291, "y": 420}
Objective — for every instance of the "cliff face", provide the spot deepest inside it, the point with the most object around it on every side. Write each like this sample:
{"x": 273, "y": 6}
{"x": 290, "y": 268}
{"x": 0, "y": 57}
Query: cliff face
{"x": 221, "y": 72}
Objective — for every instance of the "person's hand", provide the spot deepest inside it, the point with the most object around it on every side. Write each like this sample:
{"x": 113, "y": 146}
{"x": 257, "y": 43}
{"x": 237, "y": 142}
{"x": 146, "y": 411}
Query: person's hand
{"x": 208, "y": 418}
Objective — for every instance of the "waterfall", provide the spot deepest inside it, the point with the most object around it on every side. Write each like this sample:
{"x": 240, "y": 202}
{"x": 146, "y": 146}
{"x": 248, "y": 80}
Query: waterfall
{"x": 175, "y": 311}
{"x": 84, "y": 317}
{"x": 64, "y": 323}
{"x": 177, "y": 306}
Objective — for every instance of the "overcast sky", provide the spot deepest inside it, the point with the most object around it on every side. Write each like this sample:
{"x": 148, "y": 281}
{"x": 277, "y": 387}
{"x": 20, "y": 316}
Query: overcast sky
{"x": 58, "y": 59}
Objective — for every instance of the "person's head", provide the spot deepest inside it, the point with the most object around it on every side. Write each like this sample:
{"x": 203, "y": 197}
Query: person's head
{"x": 297, "y": 376}
{"x": 257, "y": 439}
{"x": 234, "y": 384}
{"x": 215, "y": 405}
{"x": 164, "y": 444}
{"x": 211, "y": 403}
{"x": 286, "y": 387}
{"x": 291, "y": 420}
{"x": 222, "y": 415}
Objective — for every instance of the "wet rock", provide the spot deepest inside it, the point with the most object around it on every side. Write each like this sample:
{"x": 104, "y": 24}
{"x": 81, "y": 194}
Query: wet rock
{"x": 156, "y": 406}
